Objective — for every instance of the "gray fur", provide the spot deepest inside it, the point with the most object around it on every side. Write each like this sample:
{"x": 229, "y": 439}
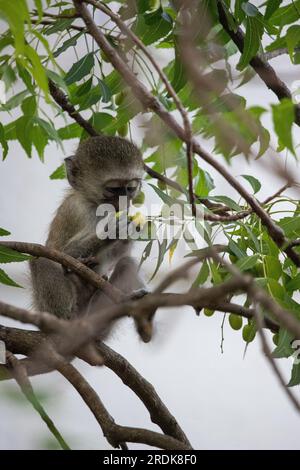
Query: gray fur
{"x": 73, "y": 229}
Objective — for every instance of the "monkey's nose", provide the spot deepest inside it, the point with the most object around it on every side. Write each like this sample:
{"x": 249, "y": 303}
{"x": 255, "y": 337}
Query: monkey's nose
{"x": 130, "y": 190}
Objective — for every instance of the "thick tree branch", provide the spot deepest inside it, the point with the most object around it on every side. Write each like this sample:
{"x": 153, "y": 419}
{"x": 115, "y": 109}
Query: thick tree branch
{"x": 115, "y": 434}
{"x": 69, "y": 262}
{"x": 25, "y": 342}
{"x": 61, "y": 99}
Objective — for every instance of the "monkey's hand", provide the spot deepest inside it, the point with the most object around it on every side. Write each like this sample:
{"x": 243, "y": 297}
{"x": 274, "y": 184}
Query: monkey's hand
{"x": 138, "y": 294}
{"x": 89, "y": 261}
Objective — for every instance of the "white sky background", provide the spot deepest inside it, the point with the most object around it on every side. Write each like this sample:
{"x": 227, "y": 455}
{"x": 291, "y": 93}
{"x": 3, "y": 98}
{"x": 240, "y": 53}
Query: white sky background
{"x": 222, "y": 401}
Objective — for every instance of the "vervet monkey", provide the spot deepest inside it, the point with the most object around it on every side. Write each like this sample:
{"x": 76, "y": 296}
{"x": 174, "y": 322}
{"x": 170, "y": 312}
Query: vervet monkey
{"x": 102, "y": 169}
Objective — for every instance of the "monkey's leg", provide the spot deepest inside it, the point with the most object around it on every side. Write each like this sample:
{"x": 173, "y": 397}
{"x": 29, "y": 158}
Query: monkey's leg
{"x": 125, "y": 277}
{"x": 53, "y": 290}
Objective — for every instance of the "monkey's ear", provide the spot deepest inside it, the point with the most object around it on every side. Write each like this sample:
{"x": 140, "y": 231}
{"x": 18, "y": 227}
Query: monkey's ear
{"x": 72, "y": 170}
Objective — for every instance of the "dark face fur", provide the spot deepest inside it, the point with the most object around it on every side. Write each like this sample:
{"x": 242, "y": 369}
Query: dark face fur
{"x": 105, "y": 168}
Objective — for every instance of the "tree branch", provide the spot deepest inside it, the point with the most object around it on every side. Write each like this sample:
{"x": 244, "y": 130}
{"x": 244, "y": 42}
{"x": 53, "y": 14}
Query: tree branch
{"x": 25, "y": 342}
{"x": 149, "y": 101}
{"x": 260, "y": 65}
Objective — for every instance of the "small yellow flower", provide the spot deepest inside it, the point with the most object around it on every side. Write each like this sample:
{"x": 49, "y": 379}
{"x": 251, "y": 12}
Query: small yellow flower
{"x": 138, "y": 219}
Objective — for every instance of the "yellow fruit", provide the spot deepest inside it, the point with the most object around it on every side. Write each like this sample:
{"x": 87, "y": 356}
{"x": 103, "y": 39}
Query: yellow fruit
{"x": 233, "y": 258}
{"x": 235, "y": 321}
{"x": 104, "y": 56}
{"x": 208, "y": 312}
{"x": 161, "y": 184}
{"x": 123, "y": 130}
{"x": 119, "y": 98}
{"x": 276, "y": 339}
{"x": 154, "y": 4}
{"x": 259, "y": 270}
{"x": 138, "y": 219}
{"x": 139, "y": 199}
{"x": 248, "y": 333}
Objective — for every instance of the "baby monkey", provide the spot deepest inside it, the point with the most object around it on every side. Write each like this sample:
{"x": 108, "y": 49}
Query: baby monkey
{"x": 102, "y": 169}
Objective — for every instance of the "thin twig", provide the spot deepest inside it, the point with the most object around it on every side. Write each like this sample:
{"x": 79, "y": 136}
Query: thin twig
{"x": 271, "y": 360}
{"x": 20, "y": 374}
{"x": 258, "y": 63}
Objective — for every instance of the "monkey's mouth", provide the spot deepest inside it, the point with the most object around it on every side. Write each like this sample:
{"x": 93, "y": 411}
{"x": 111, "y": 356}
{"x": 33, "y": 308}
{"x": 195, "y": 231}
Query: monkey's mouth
{"x": 119, "y": 203}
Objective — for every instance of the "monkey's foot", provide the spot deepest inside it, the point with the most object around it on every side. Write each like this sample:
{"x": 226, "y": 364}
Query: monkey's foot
{"x": 138, "y": 294}
{"x": 198, "y": 310}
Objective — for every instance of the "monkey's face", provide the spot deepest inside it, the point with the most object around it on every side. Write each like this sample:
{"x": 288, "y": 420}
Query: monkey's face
{"x": 115, "y": 188}
{"x": 105, "y": 168}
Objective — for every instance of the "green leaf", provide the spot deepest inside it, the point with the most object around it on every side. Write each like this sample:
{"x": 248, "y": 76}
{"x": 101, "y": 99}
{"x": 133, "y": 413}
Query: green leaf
{"x": 105, "y": 91}
{"x": 273, "y": 267}
{"x": 293, "y": 284}
{"x": 90, "y": 98}
{"x": 100, "y": 121}
{"x": 24, "y": 126}
{"x": 292, "y": 39}
{"x": 162, "y": 248}
{"x": 25, "y": 76}
{"x": 48, "y": 128}
{"x": 202, "y": 275}
{"x": 57, "y": 79}
{"x": 59, "y": 173}
{"x": 114, "y": 82}
{"x": 247, "y": 263}
{"x": 72, "y": 131}
{"x": 15, "y": 100}
{"x": 37, "y": 69}
{"x": 272, "y": 6}
{"x": 13, "y": 13}
{"x": 177, "y": 73}
{"x": 39, "y": 8}
{"x": 80, "y": 69}
{"x": 39, "y": 140}
{"x": 4, "y": 233}
{"x": 283, "y": 349}
{"x": 7, "y": 255}
{"x": 82, "y": 89}
{"x": 290, "y": 225}
{"x": 286, "y": 15}
{"x": 235, "y": 249}
{"x": 283, "y": 119}
{"x": 250, "y": 9}
{"x": 295, "y": 378}
{"x": 5, "y": 279}
{"x": 256, "y": 185}
{"x": 3, "y": 142}
{"x": 29, "y": 106}
{"x": 165, "y": 197}
{"x": 276, "y": 290}
{"x": 228, "y": 201}
{"x": 204, "y": 183}
{"x": 60, "y": 25}
{"x": 252, "y": 41}
{"x": 66, "y": 44}
{"x": 151, "y": 27}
